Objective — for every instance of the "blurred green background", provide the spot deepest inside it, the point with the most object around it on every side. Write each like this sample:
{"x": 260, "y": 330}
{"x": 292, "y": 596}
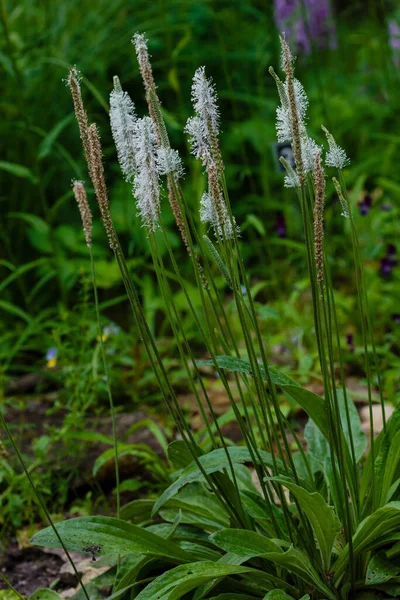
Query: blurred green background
{"x": 46, "y": 309}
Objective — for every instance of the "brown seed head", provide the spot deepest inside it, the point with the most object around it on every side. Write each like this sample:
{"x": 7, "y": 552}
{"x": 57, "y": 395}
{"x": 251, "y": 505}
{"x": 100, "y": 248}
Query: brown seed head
{"x": 295, "y": 120}
{"x": 80, "y": 113}
{"x": 84, "y": 209}
{"x": 319, "y": 182}
{"x": 99, "y": 184}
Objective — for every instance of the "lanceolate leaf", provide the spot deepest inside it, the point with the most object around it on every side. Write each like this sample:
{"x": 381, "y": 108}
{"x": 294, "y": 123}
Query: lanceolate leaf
{"x": 244, "y": 543}
{"x": 322, "y": 517}
{"x": 178, "y": 581}
{"x": 391, "y": 464}
{"x": 297, "y": 562}
{"x": 369, "y": 534}
{"x": 212, "y": 462}
{"x": 277, "y": 595}
{"x": 380, "y": 570}
{"x": 106, "y": 535}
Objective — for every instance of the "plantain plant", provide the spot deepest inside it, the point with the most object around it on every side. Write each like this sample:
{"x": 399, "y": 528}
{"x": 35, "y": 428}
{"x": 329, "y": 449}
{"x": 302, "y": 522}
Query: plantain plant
{"x": 274, "y": 518}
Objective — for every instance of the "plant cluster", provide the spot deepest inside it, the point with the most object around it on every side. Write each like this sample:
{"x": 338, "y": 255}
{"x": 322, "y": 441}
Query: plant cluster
{"x": 320, "y": 521}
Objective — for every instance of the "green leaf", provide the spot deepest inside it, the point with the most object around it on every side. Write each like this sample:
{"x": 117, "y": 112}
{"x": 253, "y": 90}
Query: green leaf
{"x": 244, "y": 543}
{"x": 15, "y": 310}
{"x": 322, "y": 518}
{"x": 137, "y": 509}
{"x": 179, "y": 454}
{"x": 369, "y": 534}
{"x": 47, "y": 143}
{"x": 391, "y": 462}
{"x": 44, "y": 594}
{"x": 211, "y": 463}
{"x": 18, "y": 171}
{"x": 380, "y": 570}
{"x": 179, "y": 581}
{"x": 233, "y": 597}
{"x": 297, "y": 562}
{"x": 277, "y": 595}
{"x": 113, "y": 536}
{"x": 199, "y": 510}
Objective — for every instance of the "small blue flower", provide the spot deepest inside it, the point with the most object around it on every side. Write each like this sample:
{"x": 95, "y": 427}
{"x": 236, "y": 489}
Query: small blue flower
{"x": 51, "y": 354}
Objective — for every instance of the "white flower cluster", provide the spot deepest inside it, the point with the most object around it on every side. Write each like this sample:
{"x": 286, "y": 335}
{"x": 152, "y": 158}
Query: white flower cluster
{"x": 146, "y": 188}
{"x": 140, "y": 159}
{"x": 123, "y": 121}
{"x": 309, "y": 148}
{"x": 205, "y": 125}
{"x": 223, "y": 226}
{"x": 336, "y": 156}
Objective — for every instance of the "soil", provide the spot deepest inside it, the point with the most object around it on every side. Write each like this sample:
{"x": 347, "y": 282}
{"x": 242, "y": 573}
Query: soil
{"x": 29, "y": 569}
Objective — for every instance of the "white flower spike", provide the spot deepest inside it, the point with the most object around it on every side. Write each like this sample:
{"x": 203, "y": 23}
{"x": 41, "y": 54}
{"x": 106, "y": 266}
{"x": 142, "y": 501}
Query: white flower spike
{"x": 123, "y": 119}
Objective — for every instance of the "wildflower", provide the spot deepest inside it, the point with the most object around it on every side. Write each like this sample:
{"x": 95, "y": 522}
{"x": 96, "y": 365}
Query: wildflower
{"x": 394, "y": 41}
{"x": 343, "y": 202}
{"x": 386, "y": 207}
{"x": 108, "y": 331}
{"x": 140, "y": 42}
{"x": 123, "y": 118}
{"x": 146, "y": 184}
{"x": 350, "y": 342}
{"x": 203, "y": 129}
{"x": 314, "y": 24}
{"x": 99, "y": 184}
{"x": 396, "y": 318}
{"x": 389, "y": 261}
{"x": 51, "y": 358}
{"x": 169, "y": 162}
{"x": 84, "y": 209}
{"x": 280, "y": 225}
{"x": 74, "y": 80}
{"x": 319, "y": 182}
{"x": 365, "y": 205}
{"x": 336, "y": 157}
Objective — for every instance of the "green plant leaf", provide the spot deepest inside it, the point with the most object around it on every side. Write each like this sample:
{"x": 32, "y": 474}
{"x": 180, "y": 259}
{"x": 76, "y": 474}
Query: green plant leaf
{"x": 47, "y": 143}
{"x": 244, "y": 543}
{"x": 179, "y": 454}
{"x": 212, "y": 462}
{"x": 370, "y": 534}
{"x": 112, "y": 535}
{"x": 380, "y": 570}
{"x": 322, "y": 518}
{"x": 277, "y": 595}
{"x": 296, "y": 561}
{"x": 179, "y": 581}
{"x": 44, "y": 594}
{"x": 18, "y": 171}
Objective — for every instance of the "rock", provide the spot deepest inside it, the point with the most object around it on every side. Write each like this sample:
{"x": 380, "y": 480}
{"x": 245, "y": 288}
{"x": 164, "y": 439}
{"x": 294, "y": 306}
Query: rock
{"x": 376, "y": 416}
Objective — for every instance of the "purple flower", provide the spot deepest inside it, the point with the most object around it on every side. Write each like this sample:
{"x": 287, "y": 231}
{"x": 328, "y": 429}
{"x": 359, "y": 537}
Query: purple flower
{"x": 306, "y": 21}
{"x": 365, "y": 205}
{"x": 280, "y": 226}
{"x": 350, "y": 342}
{"x": 389, "y": 261}
{"x": 396, "y": 318}
{"x": 386, "y": 207}
{"x": 394, "y": 41}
